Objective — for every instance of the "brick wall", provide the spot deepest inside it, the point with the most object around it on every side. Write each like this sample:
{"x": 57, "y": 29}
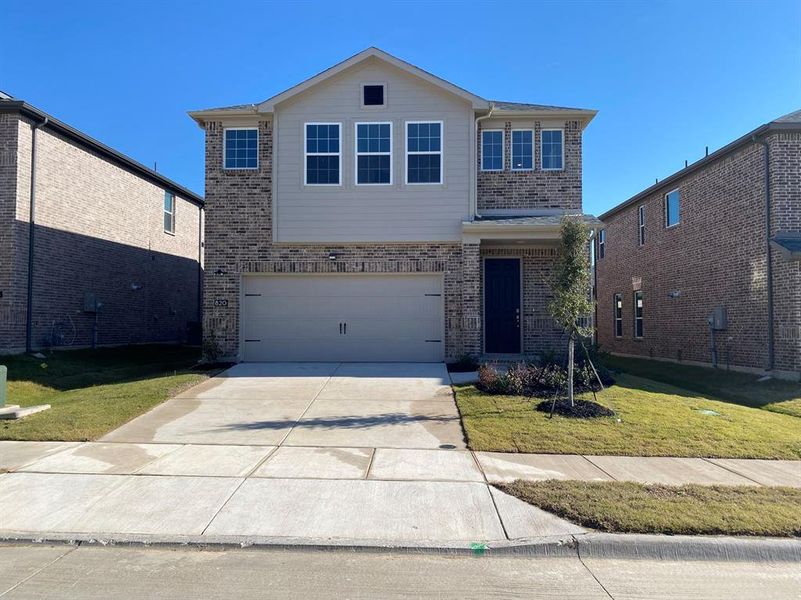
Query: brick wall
{"x": 535, "y": 189}
{"x": 12, "y": 305}
{"x": 540, "y": 333}
{"x": 99, "y": 230}
{"x": 785, "y": 174}
{"x": 714, "y": 257}
{"x": 239, "y": 240}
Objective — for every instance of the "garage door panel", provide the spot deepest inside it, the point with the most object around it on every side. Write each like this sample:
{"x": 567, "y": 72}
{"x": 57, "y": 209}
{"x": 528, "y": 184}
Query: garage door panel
{"x": 297, "y": 317}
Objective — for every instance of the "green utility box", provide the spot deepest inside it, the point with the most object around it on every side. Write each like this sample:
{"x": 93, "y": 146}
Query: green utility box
{"x": 3, "y": 386}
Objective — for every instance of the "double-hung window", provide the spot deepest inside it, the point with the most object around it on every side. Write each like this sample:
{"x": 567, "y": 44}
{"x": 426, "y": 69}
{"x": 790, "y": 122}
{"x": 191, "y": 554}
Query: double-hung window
{"x": 241, "y": 148}
{"x": 601, "y": 243}
{"x": 322, "y": 157}
{"x": 553, "y": 156}
{"x": 638, "y": 328}
{"x": 373, "y": 153}
{"x": 618, "y": 312}
{"x": 169, "y": 212}
{"x": 672, "y": 205}
{"x": 522, "y": 150}
{"x": 492, "y": 150}
{"x": 423, "y": 152}
{"x": 641, "y": 224}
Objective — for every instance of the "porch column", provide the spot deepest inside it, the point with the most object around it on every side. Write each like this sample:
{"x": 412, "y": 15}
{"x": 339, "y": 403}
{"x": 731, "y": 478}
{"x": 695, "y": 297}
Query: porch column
{"x": 471, "y": 297}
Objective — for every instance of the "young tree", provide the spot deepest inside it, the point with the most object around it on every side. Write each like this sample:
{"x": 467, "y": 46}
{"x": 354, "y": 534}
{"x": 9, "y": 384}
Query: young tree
{"x": 571, "y": 289}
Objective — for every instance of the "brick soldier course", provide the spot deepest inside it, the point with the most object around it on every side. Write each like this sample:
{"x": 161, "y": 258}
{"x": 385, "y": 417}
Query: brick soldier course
{"x": 99, "y": 232}
{"x": 715, "y": 257}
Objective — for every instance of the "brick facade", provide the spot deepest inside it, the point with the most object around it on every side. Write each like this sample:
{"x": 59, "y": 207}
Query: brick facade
{"x": 535, "y": 189}
{"x": 716, "y": 256}
{"x": 99, "y": 230}
{"x": 239, "y": 241}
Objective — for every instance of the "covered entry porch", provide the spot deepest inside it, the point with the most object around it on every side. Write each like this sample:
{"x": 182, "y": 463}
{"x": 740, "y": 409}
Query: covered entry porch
{"x": 514, "y": 258}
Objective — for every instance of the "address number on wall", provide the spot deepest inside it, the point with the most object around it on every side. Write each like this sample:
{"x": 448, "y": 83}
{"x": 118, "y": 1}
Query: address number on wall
{"x": 220, "y": 302}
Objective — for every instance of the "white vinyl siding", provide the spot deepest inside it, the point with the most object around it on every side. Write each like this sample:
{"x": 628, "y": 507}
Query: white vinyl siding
{"x": 366, "y": 213}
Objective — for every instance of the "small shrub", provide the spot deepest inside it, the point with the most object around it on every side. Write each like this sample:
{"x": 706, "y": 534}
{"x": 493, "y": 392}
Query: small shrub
{"x": 466, "y": 363}
{"x": 489, "y": 380}
{"x": 212, "y": 350}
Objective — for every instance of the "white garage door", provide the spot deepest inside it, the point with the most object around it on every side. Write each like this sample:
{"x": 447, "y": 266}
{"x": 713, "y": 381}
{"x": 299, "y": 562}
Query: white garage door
{"x": 343, "y": 318}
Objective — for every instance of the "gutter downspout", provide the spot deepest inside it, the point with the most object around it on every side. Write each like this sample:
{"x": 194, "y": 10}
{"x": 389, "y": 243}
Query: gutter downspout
{"x": 769, "y": 265}
{"x": 31, "y": 231}
{"x": 475, "y": 161}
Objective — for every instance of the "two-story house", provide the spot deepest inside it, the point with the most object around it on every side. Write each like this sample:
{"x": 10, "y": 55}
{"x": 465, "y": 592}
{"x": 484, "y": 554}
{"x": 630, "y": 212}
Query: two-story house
{"x": 705, "y": 265}
{"x": 96, "y": 249}
{"x": 376, "y": 212}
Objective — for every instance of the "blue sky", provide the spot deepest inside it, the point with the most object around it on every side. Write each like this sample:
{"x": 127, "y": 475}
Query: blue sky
{"x": 667, "y": 77}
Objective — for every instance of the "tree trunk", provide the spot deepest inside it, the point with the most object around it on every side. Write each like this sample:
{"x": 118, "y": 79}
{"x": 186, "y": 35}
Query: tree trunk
{"x": 570, "y": 352}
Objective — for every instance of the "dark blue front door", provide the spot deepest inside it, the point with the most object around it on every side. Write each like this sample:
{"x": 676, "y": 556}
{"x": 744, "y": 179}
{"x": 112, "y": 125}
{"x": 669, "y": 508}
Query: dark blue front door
{"x": 502, "y": 305}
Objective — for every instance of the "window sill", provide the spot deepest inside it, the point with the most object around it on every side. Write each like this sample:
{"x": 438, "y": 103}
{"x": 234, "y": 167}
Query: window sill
{"x": 672, "y": 226}
{"x": 172, "y": 233}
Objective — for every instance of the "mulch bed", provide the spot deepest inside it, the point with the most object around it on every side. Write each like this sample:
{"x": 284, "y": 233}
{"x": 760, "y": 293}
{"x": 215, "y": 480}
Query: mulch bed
{"x": 581, "y": 409}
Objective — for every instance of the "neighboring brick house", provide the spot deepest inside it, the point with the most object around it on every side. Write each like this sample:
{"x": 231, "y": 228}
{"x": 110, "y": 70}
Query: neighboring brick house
{"x": 377, "y": 212}
{"x": 116, "y": 247}
{"x": 697, "y": 244}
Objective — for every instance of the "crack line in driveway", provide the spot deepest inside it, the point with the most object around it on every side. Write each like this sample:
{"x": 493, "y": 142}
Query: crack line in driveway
{"x": 303, "y": 414}
{"x": 39, "y": 570}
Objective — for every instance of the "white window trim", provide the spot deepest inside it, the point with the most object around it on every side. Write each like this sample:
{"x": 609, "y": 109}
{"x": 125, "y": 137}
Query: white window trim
{"x": 171, "y": 213}
{"x": 640, "y": 318}
{"x": 641, "y": 225}
{"x": 357, "y": 154}
{"x": 512, "y": 150}
{"x": 601, "y": 244}
{"x": 225, "y": 141}
{"x": 372, "y": 106}
{"x": 307, "y": 154}
{"x": 503, "y": 150}
{"x": 678, "y": 216}
{"x": 542, "y": 154}
{"x": 617, "y": 319}
{"x": 441, "y": 152}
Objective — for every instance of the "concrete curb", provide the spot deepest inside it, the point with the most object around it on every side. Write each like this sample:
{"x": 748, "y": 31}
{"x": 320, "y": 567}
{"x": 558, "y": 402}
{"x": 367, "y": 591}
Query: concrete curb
{"x": 590, "y": 545}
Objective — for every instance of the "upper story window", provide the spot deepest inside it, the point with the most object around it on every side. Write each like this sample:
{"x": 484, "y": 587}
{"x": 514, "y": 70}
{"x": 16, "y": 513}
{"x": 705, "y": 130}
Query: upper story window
{"x": 601, "y": 243}
{"x": 553, "y": 157}
{"x": 672, "y": 206}
{"x": 423, "y": 152}
{"x": 169, "y": 212}
{"x": 322, "y": 158}
{"x": 373, "y": 94}
{"x": 618, "y": 312}
{"x": 638, "y": 322}
{"x": 522, "y": 150}
{"x": 241, "y": 148}
{"x": 641, "y": 224}
{"x": 492, "y": 150}
{"x": 373, "y": 153}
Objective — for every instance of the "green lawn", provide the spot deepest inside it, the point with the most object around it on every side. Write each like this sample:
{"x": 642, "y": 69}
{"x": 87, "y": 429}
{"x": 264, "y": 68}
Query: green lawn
{"x": 689, "y": 509}
{"x": 94, "y": 391}
{"x": 731, "y": 386}
{"x": 656, "y": 419}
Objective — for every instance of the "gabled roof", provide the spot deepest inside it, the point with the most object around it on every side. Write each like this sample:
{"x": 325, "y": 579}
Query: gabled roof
{"x": 789, "y": 122}
{"x": 477, "y": 102}
{"x": 372, "y": 52}
{"x": 9, "y": 104}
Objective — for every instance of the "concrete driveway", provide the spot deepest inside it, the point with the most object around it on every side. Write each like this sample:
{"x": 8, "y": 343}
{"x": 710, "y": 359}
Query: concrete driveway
{"x": 313, "y": 404}
{"x": 368, "y": 452}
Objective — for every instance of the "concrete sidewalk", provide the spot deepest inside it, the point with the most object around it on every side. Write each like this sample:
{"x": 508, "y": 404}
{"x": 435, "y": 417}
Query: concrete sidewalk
{"x": 320, "y": 453}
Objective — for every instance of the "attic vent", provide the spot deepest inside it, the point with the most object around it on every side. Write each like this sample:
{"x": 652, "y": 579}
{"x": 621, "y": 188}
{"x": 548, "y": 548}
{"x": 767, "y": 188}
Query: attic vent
{"x": 373, "y": 95}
